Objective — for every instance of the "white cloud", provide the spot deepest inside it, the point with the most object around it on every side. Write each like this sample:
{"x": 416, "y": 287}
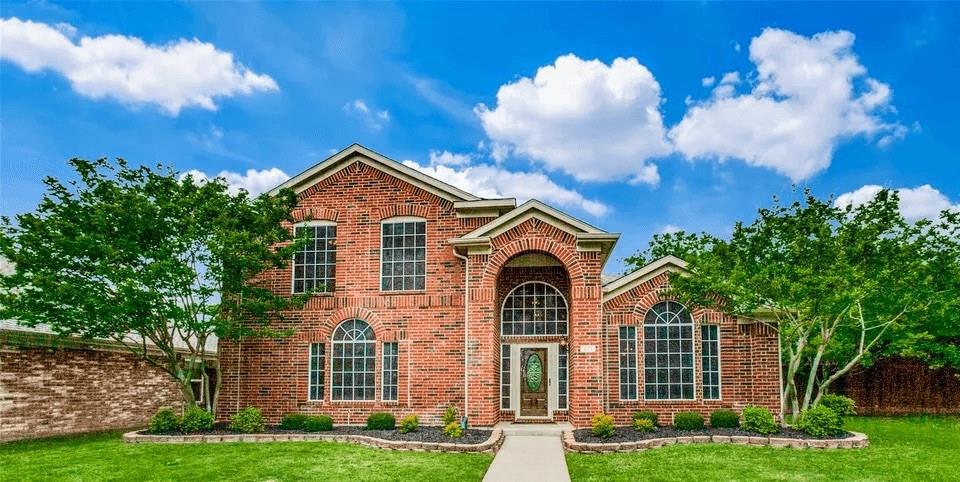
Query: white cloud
{"x": 253, "y": 181}
{"x": 670, "y": 229}
{"x": 915, "y": 203}
{"x": 185, "y": 73}
{"x": 810, "y": 93}
{"x": 447, "y": 158}
{"x": 375, "y": 119}
{"x": 708, "y": 81}
{"x": 491, "y": 181}
{"x": 594, "y": 121}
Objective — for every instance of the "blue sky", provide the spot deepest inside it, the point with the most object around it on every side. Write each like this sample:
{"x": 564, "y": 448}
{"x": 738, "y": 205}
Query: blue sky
{"x": 710, "y": 110}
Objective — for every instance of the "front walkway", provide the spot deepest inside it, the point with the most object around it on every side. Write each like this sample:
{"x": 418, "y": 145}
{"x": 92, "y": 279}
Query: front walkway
{"x": 530, "y": 452}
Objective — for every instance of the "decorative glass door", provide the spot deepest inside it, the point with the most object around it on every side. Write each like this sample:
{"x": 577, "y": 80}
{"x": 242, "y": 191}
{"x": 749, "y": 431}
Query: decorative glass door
{"x": 533, "y": 382}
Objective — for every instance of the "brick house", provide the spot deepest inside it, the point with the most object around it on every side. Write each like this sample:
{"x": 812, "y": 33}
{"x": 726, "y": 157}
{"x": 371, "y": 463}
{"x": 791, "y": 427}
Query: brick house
{"x": 431, "y": 297}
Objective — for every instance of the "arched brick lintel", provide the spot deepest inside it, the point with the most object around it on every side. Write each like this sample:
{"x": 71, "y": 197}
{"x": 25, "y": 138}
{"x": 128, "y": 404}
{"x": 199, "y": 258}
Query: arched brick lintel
{"x": 323, "y": 333}
{"x": 565, "y": 254}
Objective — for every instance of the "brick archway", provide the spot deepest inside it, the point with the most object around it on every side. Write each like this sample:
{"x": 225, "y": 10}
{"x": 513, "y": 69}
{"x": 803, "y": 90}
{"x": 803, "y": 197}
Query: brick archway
{"x": 503, "y": 254}
{"x": 324, "y": 331}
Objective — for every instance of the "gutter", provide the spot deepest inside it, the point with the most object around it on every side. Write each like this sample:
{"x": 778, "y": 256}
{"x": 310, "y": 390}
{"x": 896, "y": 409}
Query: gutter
{"x": 466, "y": 335}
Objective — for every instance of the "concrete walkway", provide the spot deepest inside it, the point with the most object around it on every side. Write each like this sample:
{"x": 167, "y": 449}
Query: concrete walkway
{"x": 529, "y": 453}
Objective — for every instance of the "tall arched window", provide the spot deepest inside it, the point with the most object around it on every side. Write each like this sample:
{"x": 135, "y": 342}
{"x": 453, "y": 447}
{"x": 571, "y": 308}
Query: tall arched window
{"x": 354, "y": 360}
{"x": 668, "y": 352}
{"x": 534, "y": 308}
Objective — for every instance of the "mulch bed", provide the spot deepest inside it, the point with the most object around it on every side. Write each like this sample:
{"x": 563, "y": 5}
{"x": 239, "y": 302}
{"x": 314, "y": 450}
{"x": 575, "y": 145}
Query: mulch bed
{"x": 423, "y": 434}
{"x": 629, "y": 434}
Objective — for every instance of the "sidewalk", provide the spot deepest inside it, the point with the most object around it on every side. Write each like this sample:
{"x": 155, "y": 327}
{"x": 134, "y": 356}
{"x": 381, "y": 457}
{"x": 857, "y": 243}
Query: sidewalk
{"x": 529, "y": 454}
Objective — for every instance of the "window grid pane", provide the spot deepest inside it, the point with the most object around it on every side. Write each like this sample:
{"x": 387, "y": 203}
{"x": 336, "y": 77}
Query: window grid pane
{"x": 668, "y": 352}
{"x": 314, "y": 266}
{"x": 562, "y": 378}
{"x": 403, "y": 253}
{"x": 628, "y": 362}
{"x": 390, "y": 371}
{"x": 353, "y": 360}
{"x": 316, "y": 371}
{"x": 505, "y": 376}
{"x": 534, "y": 308}
{"x": 710, "y": 361}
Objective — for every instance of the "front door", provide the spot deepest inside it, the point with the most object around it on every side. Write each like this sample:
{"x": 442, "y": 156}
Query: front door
{"x": 533, "y": 382}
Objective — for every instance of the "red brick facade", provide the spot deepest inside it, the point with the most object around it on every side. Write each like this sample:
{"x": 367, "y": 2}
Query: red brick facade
{"x": 481, "y": 249}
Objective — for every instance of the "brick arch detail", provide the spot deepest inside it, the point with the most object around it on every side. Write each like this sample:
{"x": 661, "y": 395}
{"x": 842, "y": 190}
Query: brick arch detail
{"x": 417, "y": 210}
{"x": 325, "y": 330}
{"x": 315, "y": 214}
{"x": 566, "y": 256}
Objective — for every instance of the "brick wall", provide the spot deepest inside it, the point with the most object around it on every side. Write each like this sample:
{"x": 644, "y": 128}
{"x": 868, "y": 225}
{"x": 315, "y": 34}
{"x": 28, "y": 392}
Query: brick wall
{"x": 56, "y": 391}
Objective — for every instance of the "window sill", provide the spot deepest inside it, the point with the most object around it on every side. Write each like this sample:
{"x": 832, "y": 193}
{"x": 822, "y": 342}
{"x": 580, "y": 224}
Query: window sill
{"x": 404, "y": 292}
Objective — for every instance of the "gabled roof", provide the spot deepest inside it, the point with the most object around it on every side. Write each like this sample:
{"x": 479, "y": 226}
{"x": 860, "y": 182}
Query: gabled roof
{"x": 533, "y": 209}
{"x": 653, "y": 269}
{"x": 356, "y": 152}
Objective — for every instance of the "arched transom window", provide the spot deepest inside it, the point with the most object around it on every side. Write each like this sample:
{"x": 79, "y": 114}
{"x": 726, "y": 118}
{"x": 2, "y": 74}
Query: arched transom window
{"x": 668, "y": 352}
{"x": 354, "y": 359}
{"x": 534, "y": 308}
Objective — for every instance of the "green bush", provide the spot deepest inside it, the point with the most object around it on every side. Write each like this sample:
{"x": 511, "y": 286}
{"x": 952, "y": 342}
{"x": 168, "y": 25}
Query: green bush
{"x": 381, "y": 421}
{"x": 453, "y": 430}
{"x": 449, "y": 416}
{"x": 293, "y": 421}
{"x": 410, "y": 423}
{"x": 688, "y": 421}
{"x": 602, "y": 425}
{"x": 248, "y": 420}
{"x": 820, "y": 421}
{"x": 724, "y": 418}
{"x": 647, "y": 415}
{"x": 196, "y": 419}
{"x": 318, "y": 423}
{"x": 759, "y": 420}
{"x": 644, "y": 425}
{"x": 841, "y": 405}
{"x": 165, "y": 420}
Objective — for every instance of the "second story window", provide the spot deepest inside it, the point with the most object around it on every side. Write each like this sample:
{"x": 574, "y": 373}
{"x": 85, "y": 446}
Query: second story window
{"x": 314, "y": 266}
{"x": 403, "y": 254}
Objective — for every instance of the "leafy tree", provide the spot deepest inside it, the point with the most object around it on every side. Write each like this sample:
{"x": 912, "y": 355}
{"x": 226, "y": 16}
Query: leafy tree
{"x": 840, "y": 284}
{"x": 158, "y": 263}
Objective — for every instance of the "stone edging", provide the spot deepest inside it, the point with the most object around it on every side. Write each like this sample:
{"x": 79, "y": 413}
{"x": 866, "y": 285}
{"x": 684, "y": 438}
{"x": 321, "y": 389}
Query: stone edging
{"x": 492, "y": 444}
{"x": 855, "y": 441}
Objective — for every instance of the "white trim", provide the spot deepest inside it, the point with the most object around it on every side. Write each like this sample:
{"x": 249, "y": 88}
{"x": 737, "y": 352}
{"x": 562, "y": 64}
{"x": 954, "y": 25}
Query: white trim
{"x": 636, "y": 368}
{"x": 333, "y": 351}
{"x": 426, "y": 239}
{"x": 565, "y": 303}
{"x": 695, "y": 348}
{"x": 293, "y": 262}
{"x": 624, "y": 283}
{"x": 383, "y": 371}
{"x": 323, "y": 374}
{"x": 530, "y": 209}
{"x": 314, "y": 222}
{"x": 719, "y": 368}
{"x": 516, "y": 350}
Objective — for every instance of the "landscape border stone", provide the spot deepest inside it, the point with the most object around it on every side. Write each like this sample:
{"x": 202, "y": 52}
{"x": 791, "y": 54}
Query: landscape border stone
{"x": 856, "y": 440}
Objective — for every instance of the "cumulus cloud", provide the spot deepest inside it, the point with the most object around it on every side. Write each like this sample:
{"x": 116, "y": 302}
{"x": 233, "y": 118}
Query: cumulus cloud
{"x": 375, "y": 119}
{"x": 447, "y": 158}
{"x": 173, "y": 76}
{"x": 253, "y": 181}
{"x": 594, "y": 121}
{"x": 492, "y": 181}
{"x": 915, "y": 203}
{"x": 810, "y": 93}
{"x": 670, "y": 229}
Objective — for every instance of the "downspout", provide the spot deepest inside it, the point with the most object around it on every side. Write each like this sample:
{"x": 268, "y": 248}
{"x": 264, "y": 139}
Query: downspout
{"x": 466, "y": 334}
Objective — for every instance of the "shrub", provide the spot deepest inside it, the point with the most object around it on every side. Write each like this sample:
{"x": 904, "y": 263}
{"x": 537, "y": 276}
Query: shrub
{"x": 293, "y": 421}
{"x": 196, "y": 419}
{"x": 688, "y": 421}
{"x": 248, "y": 420}
{"x": 759, "y": 420}
{"x": 449, "y": 416}
{"x": 841, "y": 405}
{"x": 820, "y": 421}
{"x": 602, "y": 425}
{"x": 453, "y": 430}
{"x": 724, "y": 418}
{"x": 381, "y": 421}
{"x": 165, "y": 420}
{"x": 410, "y": 423}
{"x": 318, "y": 423}
{"x": 643, "y": 425}
{"x": 648, "y": 415}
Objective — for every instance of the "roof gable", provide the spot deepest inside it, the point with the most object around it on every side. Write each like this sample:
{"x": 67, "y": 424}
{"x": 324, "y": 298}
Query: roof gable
{"x": 533, "y": 209}
{"x": 653, "y": 269}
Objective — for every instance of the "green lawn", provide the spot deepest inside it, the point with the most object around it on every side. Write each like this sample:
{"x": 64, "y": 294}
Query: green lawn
{"x": 901, "y": 449}
{"x": 105, "y": 457}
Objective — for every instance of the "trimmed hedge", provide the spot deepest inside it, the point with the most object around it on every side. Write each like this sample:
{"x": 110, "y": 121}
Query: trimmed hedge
{"x": 410, "y": 423}
{"x": 196, "y": 419}
{"x": 248, "y": 420}
{"x": 646, "y": 415}
{"x": 724, "y": 418}
{"x": 688, "y": 421}
{"x": 759, "y": 420}
{"x": 644, "y": 425}
{"x": 602, "y": 425}
{"x": 381, "y": 421}
{"x": 820, "y": 421}
{"x": 293, "y": 421}
{"x": 165, "y": 420}
{"x": 318, "y": 423}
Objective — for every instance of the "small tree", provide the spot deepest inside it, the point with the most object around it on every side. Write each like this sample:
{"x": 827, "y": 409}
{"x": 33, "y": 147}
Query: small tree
{"x": 838, "y": 283}
{"x": 158, "y": 263}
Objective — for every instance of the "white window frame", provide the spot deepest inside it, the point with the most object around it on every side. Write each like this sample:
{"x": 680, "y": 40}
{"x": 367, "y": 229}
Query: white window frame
{"x": 293, "y": 263}
{"x": 395, "y": 369}
{"x": 566, "y": 305}
{"x": 321, "y": 369}
{"x": 719, "y": 368}
{"x": 636, "y": 362}
{"x": 426, "y": 245}
{"x": 505, "y": 380}
{"x": 566, "y": 382}
{"x": 695, "y": 351}
{"x": 332, "y": 356}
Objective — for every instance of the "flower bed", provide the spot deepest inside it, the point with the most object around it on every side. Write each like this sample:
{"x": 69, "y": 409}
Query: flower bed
{"x": 626, "y": 439}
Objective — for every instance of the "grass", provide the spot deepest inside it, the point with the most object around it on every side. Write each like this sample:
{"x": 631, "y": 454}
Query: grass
{"x": 104, "y": 457}
{"x": 901, "y": 449}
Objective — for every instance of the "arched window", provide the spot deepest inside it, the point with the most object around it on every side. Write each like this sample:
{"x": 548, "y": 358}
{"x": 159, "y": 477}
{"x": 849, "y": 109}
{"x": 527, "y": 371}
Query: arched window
{"x": 534, "y": 308}
{"x": 668, "y": 352}
{"x": 354, "y": 360}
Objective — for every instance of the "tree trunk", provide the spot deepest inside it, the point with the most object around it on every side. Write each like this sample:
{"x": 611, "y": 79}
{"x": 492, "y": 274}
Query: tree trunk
{"x": 215, "y": 396}
{"x": 186, "y": 389}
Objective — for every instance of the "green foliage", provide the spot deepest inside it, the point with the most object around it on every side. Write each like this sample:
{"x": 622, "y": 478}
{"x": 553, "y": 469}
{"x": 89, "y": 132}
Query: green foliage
{"x": 724, "y": 418}
{"x": 318, "y": 423}
{"x": 248, "y": 420}
{"x": 646, "y": 414}
{"x": 841, "y": 405}
{"x": 293, "y": 421}
{"x": 759, "y": 420}
{"x": 410, "y": 423}
{"x": 164, "y": 421}
{"x": 196, "y": 419}
{"x": 688, "y": 421}
{"x": 601, "y": 425}
{"x": 644, "y": 425}
{"x": 381, "y": 421}
{"x": 449, "y": 416}
{"x": 820, "y": 421}
{"x": 453, "y": 430}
